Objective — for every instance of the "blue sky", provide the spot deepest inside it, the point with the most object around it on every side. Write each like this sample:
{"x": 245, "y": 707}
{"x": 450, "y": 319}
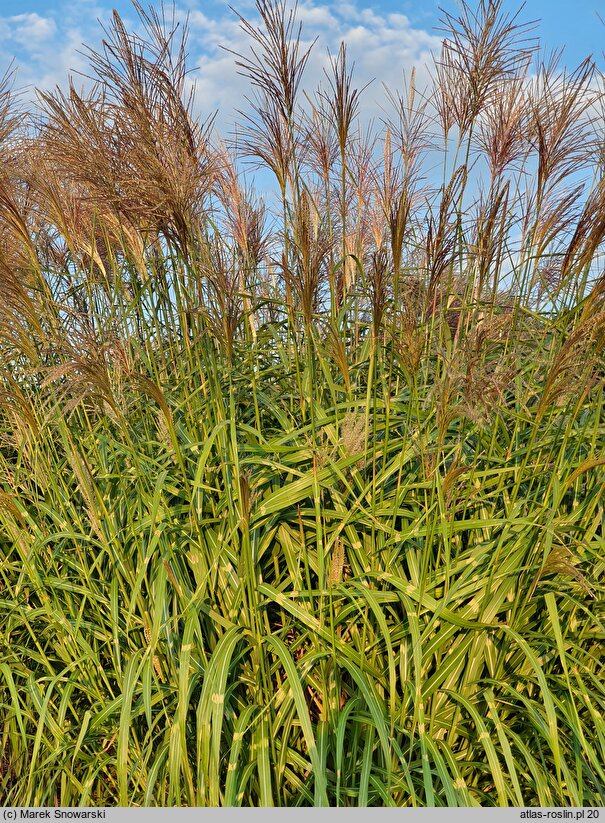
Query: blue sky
{"x": 383, "y": 38}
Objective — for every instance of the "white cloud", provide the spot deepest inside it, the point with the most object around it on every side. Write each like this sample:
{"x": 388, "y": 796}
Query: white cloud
{"x": 380, "y": 46}
{"x": 30, "y": 28}
{"x": 317, "y": 16}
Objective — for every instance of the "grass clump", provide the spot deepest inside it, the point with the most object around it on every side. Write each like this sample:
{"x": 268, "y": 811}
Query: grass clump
{"x": 304, "y": 504}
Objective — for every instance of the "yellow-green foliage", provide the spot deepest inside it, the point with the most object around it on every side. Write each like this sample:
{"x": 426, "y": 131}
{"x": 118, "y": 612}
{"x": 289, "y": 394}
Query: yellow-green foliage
{"x": 304, "y": 505}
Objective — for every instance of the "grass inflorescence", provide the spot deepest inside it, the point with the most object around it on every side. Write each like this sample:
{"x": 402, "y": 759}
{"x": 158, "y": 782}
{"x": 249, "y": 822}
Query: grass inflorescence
{"x": 301, "y": 502}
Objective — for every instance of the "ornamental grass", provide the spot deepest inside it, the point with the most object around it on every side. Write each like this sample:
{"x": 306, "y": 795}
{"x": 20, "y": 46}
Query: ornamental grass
{"x": 302, "y": 496}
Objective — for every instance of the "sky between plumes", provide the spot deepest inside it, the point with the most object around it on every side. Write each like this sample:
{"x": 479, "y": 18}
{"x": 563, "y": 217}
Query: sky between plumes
{"x": 45, "y": 39}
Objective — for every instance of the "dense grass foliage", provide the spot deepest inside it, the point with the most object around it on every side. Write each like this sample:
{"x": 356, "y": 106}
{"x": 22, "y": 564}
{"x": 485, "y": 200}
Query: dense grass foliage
{"x": 304, "y": 504}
